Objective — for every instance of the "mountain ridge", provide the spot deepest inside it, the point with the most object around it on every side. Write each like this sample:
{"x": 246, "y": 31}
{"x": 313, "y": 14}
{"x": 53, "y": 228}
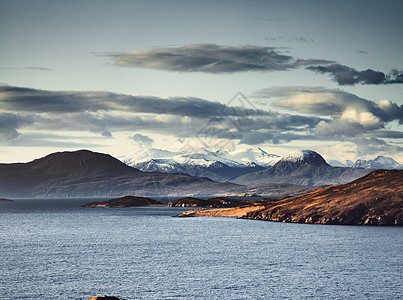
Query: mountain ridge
{"x": 305, "y": 167}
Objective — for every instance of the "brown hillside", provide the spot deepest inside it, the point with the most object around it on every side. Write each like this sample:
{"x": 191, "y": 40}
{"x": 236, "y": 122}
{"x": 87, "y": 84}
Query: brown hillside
{"x": 375, "y": 199}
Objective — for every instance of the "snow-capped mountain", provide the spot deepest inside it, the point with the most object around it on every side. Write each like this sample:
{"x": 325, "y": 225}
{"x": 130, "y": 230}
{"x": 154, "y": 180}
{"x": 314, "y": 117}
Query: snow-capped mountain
{"x": 252, "y": 155}
{"x": 380, "y": 162}
{"x": 303, "y": 157}
{"x": 208, "y": 164}
{"x": 302, "y": 167}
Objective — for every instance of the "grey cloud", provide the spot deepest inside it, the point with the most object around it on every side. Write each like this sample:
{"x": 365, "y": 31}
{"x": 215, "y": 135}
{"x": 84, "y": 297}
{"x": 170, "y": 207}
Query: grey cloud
{"x": 345, "y": 115}
{"x": 375, "y": 146}
{"x": 331, "y": 102}
{"x": 389, "y": 134}
{"x": 29, "y": 68}
{"x": 51, "y": 140}
{"x": 142, "y": 140}
{"x": 33, "y": 100}
{"x": 339, "y": 129}
{"x": 256, "y": 138}
{"x": 291, "y": 39}
{"x": 345, "y": 75}
{"x": 394, "y": 76}
{"x": 211, "y": 58}
{"x": 9, "y": 125}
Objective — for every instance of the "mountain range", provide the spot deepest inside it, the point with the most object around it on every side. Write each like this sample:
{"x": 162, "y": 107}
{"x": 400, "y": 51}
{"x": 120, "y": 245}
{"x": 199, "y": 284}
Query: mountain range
{"x": 219, "y": 166}
{"x": 89, "y": 174}
{"x": 84, "y": 173}
{"x": 224, "y": 166}
{"x": 380, "y": 162}
{"x": 305, "y": 167}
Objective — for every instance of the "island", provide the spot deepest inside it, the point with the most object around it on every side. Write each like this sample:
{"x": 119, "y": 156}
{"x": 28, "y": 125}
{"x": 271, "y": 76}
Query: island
{"x": 375, "y": 199}
{"x": 126, "y": 201}
{"x": 105, "y": 297}
{"x": 5, "y": 200}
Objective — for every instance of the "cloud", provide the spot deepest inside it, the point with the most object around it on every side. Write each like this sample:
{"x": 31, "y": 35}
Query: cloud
{"x": 319, "y": 114}
{"x": 141, "y": 140}
{"x": 28, "y": 68}
{"x": 211, "y": 58}
{"x": 375, "y": 146}
{"x": 52, "y": 140}
{"x": 345, "y": 116}
{"x": 291, "y": 39}
{"x": 9, "y": 125}
{"x": 104, "y": 113}
{"x": 345, "y": 75}
{"x": 257, "y": 138}
{"x": 34, "y": 100}
{"x": 334, "y": 103}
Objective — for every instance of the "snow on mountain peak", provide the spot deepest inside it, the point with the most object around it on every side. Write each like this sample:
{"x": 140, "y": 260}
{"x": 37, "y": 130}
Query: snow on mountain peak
{"x": 253, "y": 156}
{"x": 308, "y": 156}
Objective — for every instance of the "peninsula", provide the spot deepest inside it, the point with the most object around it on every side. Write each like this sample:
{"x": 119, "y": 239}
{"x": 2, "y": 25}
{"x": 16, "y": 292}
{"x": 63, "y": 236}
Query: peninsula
{"x": 375, "y": 199}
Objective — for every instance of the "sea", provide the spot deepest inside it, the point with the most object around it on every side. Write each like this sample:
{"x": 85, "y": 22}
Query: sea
{"x": 55, "y": 249}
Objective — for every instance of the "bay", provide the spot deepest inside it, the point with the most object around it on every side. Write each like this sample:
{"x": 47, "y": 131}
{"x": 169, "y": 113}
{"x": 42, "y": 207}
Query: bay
{"x": 55, "y": 249}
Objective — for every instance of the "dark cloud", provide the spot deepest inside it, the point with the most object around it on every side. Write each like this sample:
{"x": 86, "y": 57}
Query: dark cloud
{"x": 9, "y": 125}
{"x": 394, "y": 76}
{"x": 141, "y": 140}
{"x": 211, "y": 58}
{"x": 104, "y": 113}
{"x": 343, "y": 116}
{"x": 34, "y": 100}
{"x": 52, "y": 140}
{"x": 345, "y": 75}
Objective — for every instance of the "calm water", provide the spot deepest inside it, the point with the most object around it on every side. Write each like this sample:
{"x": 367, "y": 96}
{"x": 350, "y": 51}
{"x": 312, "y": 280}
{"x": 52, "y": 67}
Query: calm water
{"x": 53, "y": 249}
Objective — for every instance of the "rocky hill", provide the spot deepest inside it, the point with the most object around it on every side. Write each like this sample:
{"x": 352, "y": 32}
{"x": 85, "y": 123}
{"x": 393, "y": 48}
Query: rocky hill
{"x": 375, "y": 199}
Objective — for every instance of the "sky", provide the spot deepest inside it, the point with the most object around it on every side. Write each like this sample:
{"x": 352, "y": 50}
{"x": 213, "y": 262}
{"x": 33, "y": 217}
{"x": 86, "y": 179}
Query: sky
{"x": 119, "y": 76}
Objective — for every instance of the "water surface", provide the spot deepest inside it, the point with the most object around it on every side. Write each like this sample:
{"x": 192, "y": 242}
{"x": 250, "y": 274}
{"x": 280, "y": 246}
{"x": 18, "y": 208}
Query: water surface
{"x": 55, "y": 249}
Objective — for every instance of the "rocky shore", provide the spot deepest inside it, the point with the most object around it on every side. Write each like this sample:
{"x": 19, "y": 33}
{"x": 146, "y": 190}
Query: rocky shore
{"x": 215, "y": 202}
{"x": 375, "y": 199}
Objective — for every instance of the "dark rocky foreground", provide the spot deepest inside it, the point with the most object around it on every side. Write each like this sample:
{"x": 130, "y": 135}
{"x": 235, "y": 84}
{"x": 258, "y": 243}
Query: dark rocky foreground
{"x": 127, "y": 201}
{"x": 375, "y": 199}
